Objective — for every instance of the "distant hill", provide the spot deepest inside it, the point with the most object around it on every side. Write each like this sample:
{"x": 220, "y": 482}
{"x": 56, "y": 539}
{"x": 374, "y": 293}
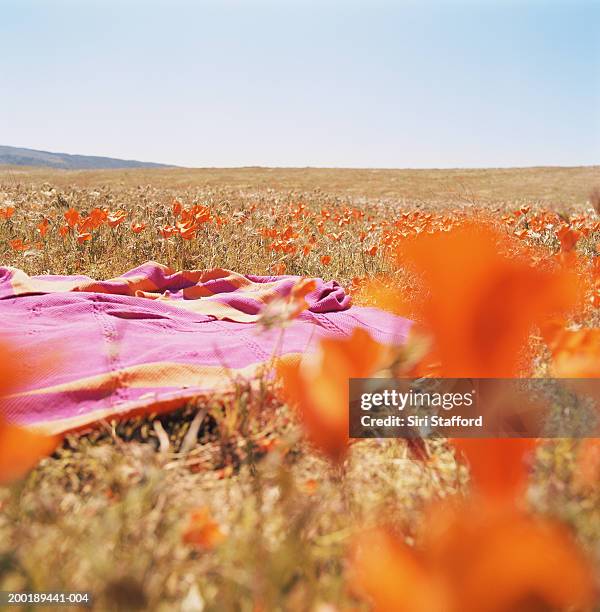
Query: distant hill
{"x": 30, "y": 157}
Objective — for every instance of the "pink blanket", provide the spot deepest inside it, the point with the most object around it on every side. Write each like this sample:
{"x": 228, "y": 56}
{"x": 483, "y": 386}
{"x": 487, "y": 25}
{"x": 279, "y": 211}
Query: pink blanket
{"x": 153, "y": 338}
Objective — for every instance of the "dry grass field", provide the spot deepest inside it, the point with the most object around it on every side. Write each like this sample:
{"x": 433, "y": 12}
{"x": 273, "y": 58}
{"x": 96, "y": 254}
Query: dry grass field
{"x": 246, "y": 515}
{"x": 547, "y": 184}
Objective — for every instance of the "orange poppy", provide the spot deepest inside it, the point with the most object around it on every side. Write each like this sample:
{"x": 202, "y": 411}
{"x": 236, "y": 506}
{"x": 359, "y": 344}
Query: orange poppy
{"x": 480, "y": 308}
{"x": 318, "y": 387}
{"x": 498, "y": 466}
{"x": 72, "y": 217}
{"x": 187, "y": 231}
{"x": 18, "y": 245}
{"x": 20, "y": 449}
{"x": 392, "y": 576}
{"x": 326, "y": 260}
{"x": 521, "y": 233}
{"x": 201, "y": 214}
{"x": 381, "y": 293}
{"x": 116, "y": 218}
{"x": 468, "y": 559}
{"x": 202, "y": 531}
{"x": 520, "y": 562}
{"x": 97, "y": 216}
{"x": 86, "y": 224}
{"x": 7, "y": 212}
{"x": 500, "y": 558}
{"x": 9, "y": 373}
{"x": 42, "y": 227}
{"x": 568, "y": 237}
{"x": 167, "y": 231}
{"x": 301, "y": 289}
{"x": 356, "y": 284}
{"x": 279, "y": 310}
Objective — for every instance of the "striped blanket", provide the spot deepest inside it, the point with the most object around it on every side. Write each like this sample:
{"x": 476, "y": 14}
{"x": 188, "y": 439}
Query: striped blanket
{"x": 153, "y": 338}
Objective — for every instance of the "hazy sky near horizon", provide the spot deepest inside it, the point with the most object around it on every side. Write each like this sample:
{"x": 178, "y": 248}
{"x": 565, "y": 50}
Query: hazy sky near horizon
{"x": 405, "y": 84}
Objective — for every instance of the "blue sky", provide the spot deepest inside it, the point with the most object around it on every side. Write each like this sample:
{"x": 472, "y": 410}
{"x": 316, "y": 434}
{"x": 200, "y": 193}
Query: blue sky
{"x": 360, "y": 84}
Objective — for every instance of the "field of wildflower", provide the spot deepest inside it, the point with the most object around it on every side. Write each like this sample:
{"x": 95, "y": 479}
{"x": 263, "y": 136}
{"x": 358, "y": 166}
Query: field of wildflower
{"x": 270, "y": 506}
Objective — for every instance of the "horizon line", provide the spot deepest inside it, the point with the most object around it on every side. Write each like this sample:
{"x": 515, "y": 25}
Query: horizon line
{"x": 172, "y": 166}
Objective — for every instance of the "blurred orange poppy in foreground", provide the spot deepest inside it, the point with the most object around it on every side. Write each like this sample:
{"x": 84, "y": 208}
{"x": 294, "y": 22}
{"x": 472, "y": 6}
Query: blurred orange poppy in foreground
{"x": 480, "y": 303}
{"x": 393, "y": 576}
{"x": 318, "y": 386}
{"x": 280, "y": 310}
{"x": 20, "y": 449}
{"x": 498, "y": 466}
{"x": 472, "y": 561}
{"x": 568, "y": 237}
{"x": 482, "y": 554}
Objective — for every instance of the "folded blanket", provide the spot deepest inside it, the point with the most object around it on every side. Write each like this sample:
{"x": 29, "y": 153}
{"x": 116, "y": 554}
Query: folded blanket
{"x": 152, "y": 338}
